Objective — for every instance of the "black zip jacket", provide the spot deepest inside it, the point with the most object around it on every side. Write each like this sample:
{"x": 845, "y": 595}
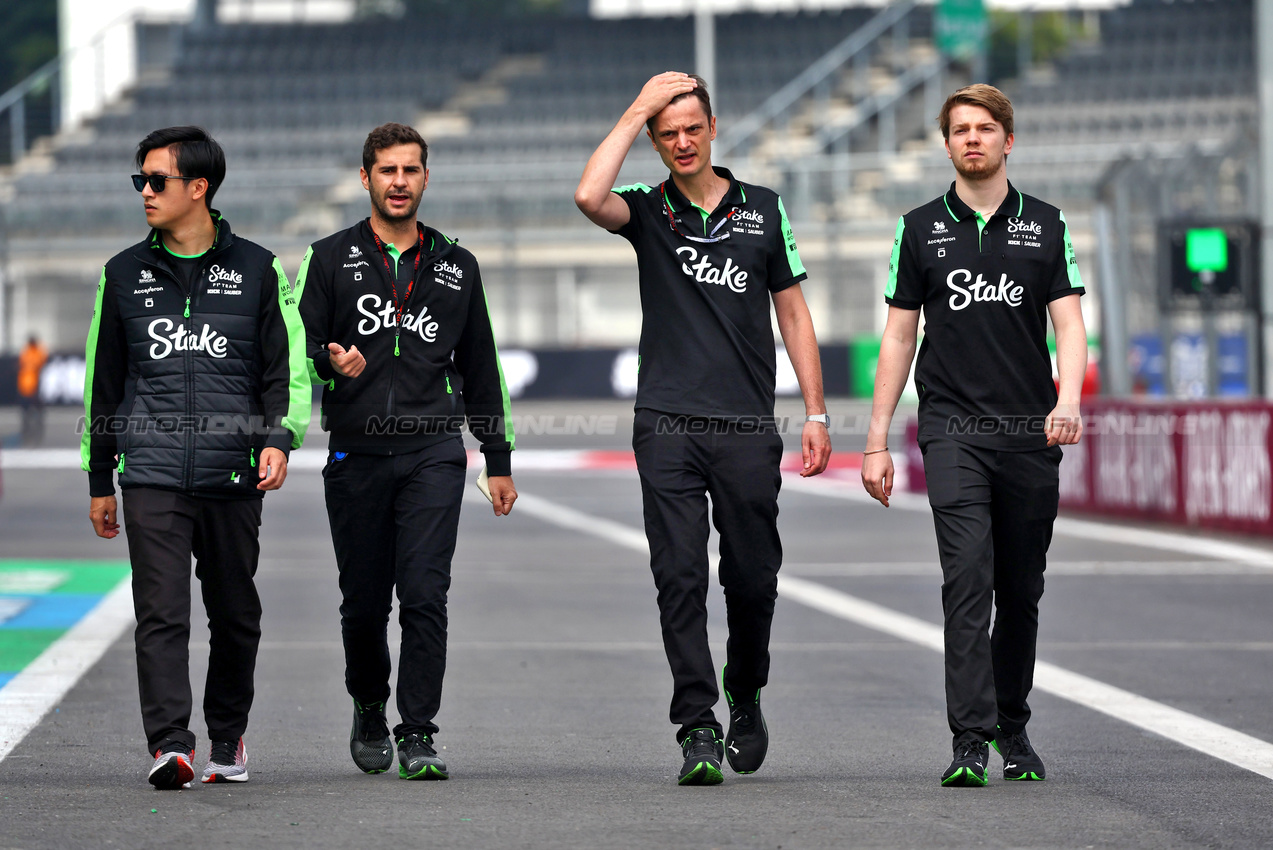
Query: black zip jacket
{"x": 423, "y": 378}
{"x": 185, "y": 387}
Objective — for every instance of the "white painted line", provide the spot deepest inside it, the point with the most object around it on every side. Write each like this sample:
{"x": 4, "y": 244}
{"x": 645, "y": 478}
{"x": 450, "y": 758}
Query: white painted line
{"x": 1196, "y": 733}
{"x": 1126, "y": 535}
{"x": 32, "y": 693}
{"x": 931, "y": 569}
{"x": 573, "y": 520}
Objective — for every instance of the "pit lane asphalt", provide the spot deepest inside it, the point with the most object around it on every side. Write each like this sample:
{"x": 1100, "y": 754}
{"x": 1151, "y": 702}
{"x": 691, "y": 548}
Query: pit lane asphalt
{"x": 554, "y": 711}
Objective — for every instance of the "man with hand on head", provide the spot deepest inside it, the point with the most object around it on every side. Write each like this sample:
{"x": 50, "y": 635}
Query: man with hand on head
{"x": 196, "y": 390}
{"x": 712, "y": 253}
{"x": 398, "y": 331}
{"x": 988, "y": 265}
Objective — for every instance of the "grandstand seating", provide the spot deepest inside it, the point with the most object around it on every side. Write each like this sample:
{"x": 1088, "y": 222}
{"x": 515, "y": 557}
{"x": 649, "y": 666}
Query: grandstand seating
{"x": 530, "y": 98}
{"x": 291, "y": 103}
{"x": 1163, "y": 74}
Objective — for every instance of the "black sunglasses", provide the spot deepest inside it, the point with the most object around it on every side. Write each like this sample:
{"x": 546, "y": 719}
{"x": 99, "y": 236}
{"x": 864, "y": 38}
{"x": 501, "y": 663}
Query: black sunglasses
{"x": 156, "y": 181}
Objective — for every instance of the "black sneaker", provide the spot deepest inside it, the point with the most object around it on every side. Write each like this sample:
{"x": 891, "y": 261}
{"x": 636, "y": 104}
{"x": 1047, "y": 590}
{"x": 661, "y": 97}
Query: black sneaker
{"x": 748, "y": 738}
{"x": 417, "y": 759}
{"x": 1020, "y": 761}
{"x": 968, "y": 770}
{"x": 369, "y": 741}
{"x": 703, "y": 753}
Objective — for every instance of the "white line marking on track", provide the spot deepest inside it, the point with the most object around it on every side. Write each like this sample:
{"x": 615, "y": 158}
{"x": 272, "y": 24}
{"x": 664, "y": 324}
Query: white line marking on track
{"x": 1196, "y": 733}
{"x": 41, "y": 685}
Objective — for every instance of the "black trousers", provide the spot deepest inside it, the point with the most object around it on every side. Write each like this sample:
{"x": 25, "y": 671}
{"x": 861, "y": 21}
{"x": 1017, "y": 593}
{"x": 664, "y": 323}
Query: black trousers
{"x": 394, "y": 520}
{"x": 681, "y": 460}
{"x": 164, "y": 529}
{"x": 994, "y": 512}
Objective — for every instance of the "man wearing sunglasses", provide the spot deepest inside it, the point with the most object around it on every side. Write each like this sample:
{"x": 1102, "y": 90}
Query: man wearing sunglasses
{"x": 195, "y": 392}
{"x": 712, "y": 253}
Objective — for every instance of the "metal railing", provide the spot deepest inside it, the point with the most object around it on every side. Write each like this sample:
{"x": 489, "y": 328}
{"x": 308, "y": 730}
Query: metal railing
{"x": 16, "y": 104}
{"x": 817, "y": 77}
{"x": 13, "y": 104}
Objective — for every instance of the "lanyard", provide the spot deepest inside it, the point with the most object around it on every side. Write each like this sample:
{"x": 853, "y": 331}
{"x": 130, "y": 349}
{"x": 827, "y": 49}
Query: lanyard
{"x": 710, "y": 237}
{"x": 397, "y": 330}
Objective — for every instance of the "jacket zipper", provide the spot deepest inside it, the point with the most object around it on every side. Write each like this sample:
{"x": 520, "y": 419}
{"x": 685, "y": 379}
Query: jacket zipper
{"x": 187, "y": 473}
{"x": 397, "y": 332}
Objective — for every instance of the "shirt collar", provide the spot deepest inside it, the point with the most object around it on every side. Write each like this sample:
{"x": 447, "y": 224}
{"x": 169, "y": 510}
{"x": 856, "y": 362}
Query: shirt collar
{"x": 1011, "y": 206}
{"x": 734, "y": 195}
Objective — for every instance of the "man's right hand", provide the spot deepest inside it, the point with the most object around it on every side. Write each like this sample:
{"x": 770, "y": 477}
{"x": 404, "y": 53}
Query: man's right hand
{"x": 877, "y": 475}
{"x": 658, "y": 92}
{"x": 101, "y": 510}
{"x": 348, "y": 363}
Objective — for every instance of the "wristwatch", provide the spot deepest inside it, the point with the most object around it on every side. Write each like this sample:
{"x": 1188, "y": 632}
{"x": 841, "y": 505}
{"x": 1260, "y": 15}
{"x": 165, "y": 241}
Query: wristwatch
{"x": 823, "y": 419}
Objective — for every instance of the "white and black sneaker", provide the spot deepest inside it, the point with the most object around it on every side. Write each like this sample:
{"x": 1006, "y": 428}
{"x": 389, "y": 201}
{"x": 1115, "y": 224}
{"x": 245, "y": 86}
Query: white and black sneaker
{"x": 173, "y": 768}
{"x": 227, "y": 763}
{"x": 369, "y": 741}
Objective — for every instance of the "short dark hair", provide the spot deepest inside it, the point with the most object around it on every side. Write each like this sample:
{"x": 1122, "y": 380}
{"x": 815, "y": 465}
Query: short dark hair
{"x": 699, "y": 91}
{"x": 389, "y": 135}
{"x": 197, "y": 154}
{"x": 978, "y": 94}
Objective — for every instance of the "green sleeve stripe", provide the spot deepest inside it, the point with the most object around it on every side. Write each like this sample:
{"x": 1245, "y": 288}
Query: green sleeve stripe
{"x": 891, "y": 289}
{"x": 632, "y": 187}
{"x": 503, "y": 385}
{"x": 789, "y": 241}
{"x": 298, "y": 386}
{"x": 1071, "y": 262}
{"x": 299, "y": 290}
{"x": 90, "y": 360}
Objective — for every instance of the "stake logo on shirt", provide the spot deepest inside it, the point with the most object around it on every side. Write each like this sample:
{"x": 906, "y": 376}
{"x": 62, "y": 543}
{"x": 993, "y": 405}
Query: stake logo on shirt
{"x": 982, "y": 290}
{"x": 381, "y": 313}
{"x": 705, "y": 271}
{"x": 168, "y": 340}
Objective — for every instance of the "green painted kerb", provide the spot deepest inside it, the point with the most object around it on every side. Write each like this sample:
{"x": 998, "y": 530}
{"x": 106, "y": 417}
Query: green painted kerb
{"x": 32, "y": 578}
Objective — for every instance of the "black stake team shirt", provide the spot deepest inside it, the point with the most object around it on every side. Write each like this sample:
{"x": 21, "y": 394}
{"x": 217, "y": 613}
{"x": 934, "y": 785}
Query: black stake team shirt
{"x": 984, "y": 375}
{"x": 707, "y": 343}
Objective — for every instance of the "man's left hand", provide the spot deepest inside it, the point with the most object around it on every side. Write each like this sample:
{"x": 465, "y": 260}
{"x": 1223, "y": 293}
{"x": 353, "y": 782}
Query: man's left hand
{"x": 273, "y": 466}
{"x": 503, "y": 493}
{"x": 815, "y": 446}
{"x": 1064, "y": 425}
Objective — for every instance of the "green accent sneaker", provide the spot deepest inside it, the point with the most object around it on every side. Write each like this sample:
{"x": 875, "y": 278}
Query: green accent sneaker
{"x": 417, "y": 759}
{"x": 968, "y": 770}
{"x": 748, "y": 738}
{"x": 703, "y": 752}
{"x": 1020, "y": 762}
{"x": 369, "y": 741}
